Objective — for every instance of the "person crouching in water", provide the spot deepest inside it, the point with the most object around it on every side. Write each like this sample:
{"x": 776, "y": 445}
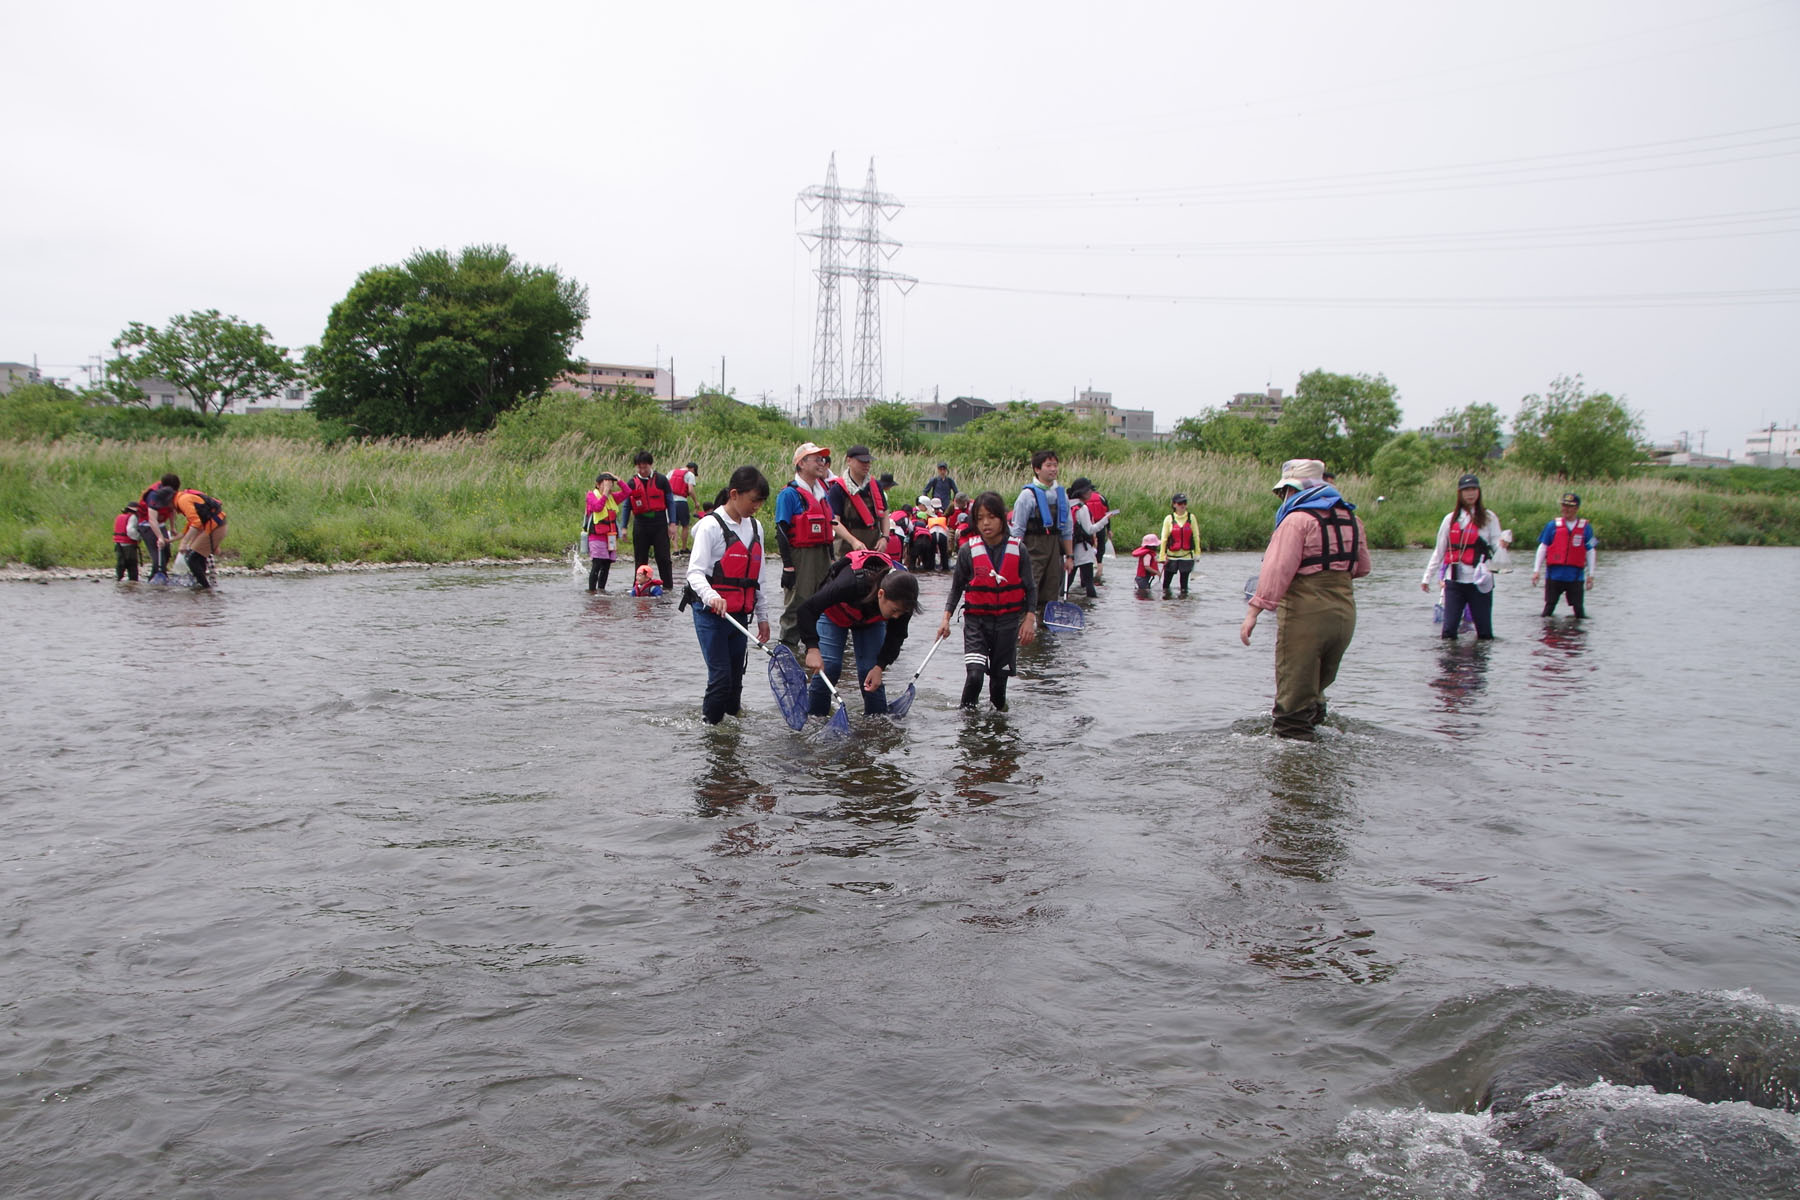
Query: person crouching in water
{"x": 1002, "y": 612}
{"x": 645, "y": 582}
{"x": 205, "y": 532}
{"x": 1318, "y": 547}
{"x": 724, "y": 579}
{"x": 866, "y": 600}
{"x": 1146, "y": 556}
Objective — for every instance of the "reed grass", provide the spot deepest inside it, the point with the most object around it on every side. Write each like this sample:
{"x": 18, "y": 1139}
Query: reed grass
{"x": 466, "y": 497}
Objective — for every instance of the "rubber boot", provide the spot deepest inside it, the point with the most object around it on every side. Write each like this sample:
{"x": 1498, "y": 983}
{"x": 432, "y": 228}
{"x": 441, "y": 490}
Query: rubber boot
{"x": 197, "y": 568}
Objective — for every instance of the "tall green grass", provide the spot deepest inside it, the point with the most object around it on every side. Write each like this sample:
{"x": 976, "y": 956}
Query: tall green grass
{"x": 297, "y": 500}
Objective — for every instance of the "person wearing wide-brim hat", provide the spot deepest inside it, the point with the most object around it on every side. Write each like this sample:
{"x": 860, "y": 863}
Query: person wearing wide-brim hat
{"x": 803, "y": 531}
{"x": 1468, "y": 538}
{"x": 1567, "y": 546}
{"x": 1318, "y": 547}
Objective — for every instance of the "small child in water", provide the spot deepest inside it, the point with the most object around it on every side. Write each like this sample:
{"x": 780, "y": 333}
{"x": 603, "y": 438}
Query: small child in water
{"x": 125, "y": 548}
{"x": 646, "y": 583}
{"x": 1146, "y": 567}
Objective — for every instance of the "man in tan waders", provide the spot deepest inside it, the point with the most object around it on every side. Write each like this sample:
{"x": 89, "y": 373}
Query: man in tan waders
{"x": 1317, "y": 549}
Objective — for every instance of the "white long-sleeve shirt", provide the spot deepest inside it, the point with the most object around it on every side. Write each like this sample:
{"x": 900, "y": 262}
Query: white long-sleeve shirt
{"x": 1463, "y": 572}
{"x": 708, "y": 547}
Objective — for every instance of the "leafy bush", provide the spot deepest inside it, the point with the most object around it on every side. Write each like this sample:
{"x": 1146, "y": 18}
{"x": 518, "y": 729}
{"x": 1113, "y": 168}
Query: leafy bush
{"x": 144, "y": 424}
{"x": 37, "y": 548}
{"x": 1009, "y": 436}
{"x": 40, "y": 412}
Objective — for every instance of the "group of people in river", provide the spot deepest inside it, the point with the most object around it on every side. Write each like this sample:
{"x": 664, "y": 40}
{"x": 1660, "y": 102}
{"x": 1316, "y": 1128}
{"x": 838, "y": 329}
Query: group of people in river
{"x": 150, "y": 520}
{"x": 850, "y": 559}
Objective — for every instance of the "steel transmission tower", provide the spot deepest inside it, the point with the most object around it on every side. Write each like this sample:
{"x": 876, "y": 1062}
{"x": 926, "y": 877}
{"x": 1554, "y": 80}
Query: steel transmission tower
{"x": 853, "y": 252}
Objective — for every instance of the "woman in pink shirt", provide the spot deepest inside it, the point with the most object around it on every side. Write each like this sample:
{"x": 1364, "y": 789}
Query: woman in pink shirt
{"x": 1318, "y": 547}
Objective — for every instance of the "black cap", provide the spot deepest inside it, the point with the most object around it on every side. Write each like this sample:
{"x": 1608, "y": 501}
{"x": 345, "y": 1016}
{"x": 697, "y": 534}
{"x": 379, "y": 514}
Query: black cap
{"x": 604, "y": 476}
{"x": 693, "y": 466}
{"x": 861, "y": 452}
{"x": 1178, "y": 498}
{"x": 1571, "y": 498}
{"x": 943, "y": 466}
{"x": 1467, "y": 481}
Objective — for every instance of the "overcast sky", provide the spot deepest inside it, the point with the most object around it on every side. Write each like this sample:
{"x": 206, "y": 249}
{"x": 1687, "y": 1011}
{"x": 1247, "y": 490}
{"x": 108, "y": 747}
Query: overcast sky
{"x": 1172, "y": 202}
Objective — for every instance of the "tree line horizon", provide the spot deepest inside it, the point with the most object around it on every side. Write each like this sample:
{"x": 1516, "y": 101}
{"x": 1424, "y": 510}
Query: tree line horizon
{"x": 445, "y": 344}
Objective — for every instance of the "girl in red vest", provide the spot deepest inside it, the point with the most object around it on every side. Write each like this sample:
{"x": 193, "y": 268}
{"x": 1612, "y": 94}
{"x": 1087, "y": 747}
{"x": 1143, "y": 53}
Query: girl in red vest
{"x": 866, "y": 601}
{"x": 724, "y": 578}
{"x": 125, "y": 551}
{"x": 991, "y": 569}
{"x": 1467, "y": 540}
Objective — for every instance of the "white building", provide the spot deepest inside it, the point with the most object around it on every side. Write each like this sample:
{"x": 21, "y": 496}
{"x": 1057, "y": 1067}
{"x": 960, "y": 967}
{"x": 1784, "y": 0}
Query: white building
{"x": 13, "y": 375}
{"x": 1773, "y": 447}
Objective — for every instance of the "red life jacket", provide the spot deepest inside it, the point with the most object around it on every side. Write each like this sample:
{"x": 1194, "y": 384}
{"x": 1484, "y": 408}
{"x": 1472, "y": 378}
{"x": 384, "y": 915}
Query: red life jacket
{"x": 1181, "y": 537}
{"x": 645, "y": 496}
{"x": 1568, "y": 545}
{"x": 896, "y": 545}
{"x": 163, "y": 513}
{"x": 811, "y": 526}
{"x": 1460, "y": 547}
{"x": 865, "y": 518}
{"x": 678, "y": 482}
{"x": 604, "y": 520}
{"x": 995, "y": 591}
{"x": 120, "y": 523}
{"x": 739, "y": 572}
{"x": 844, "y": 614}
{"x": 1096, "y": 505}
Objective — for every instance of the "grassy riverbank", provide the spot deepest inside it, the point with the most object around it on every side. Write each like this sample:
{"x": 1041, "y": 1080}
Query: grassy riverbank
{"x": 464, "y": 498}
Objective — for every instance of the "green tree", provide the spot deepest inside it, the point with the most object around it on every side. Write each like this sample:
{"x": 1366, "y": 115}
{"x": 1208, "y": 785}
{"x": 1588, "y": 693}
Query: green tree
{"x": 1009, "y": 436}
{"x": 39, "y": 412}
{"x": 893, "y": 426}
{"x": 444, "y": 342}
{"x": 1404, "y": 463}
{"x": 215, "y": 359}
{"x": 1475, "y": 434}
{"x": 1567, "y": 432}
{"x": 1343, "y": 419}
{"x": 1218, "y": 432}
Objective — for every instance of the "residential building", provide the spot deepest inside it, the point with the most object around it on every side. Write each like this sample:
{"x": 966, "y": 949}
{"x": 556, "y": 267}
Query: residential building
{"x": 1265, "y": 405}
{"x": 963, "y": 409}
{"x": 14, "y": 375}
{"x": 933, "y": 417}
{"x": 1132, "y": 424}
{"x": 594, "y": 377}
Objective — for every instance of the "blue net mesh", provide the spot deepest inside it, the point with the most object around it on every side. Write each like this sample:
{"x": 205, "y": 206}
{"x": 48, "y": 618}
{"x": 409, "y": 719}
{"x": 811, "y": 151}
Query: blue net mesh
{"x": 787, "y": 679}
{"x": 1060, "y": 614}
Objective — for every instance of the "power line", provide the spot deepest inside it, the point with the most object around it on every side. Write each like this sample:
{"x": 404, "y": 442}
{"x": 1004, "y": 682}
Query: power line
{"x": 1576, "y": 164}
{"x": 1713, "y": 299}
{"x": 1650, "y": 231}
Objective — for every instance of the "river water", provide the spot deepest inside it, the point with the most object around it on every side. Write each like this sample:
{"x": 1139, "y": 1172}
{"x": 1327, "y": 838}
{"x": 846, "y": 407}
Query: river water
{"x": 433, "y": 883}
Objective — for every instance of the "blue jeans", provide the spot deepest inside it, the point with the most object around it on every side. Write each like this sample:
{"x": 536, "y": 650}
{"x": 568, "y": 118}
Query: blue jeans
{"x": 868, "y": 640}
{"x": 1481, "y": 608}
{"x": 725, "y": 651}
